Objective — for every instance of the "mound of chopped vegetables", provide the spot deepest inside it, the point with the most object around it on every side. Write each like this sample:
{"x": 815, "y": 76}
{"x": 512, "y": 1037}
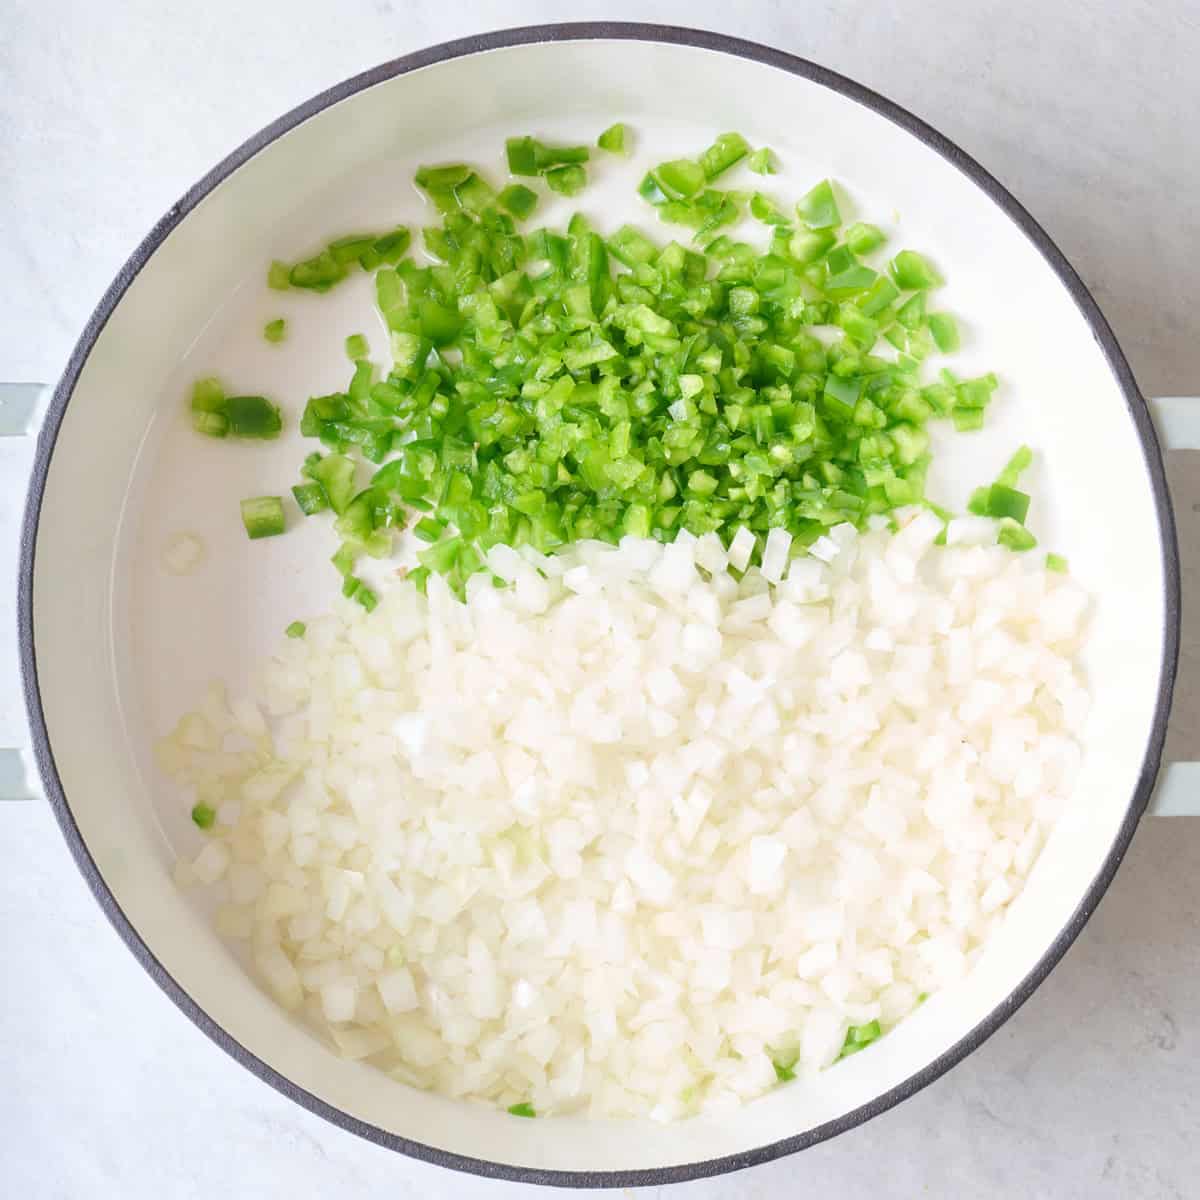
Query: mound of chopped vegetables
{"x": 550, "y": 386}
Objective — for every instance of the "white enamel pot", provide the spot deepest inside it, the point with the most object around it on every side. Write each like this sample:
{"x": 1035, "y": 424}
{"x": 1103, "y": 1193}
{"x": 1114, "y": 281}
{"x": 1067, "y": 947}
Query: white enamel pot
{"x": 114, "y": 648}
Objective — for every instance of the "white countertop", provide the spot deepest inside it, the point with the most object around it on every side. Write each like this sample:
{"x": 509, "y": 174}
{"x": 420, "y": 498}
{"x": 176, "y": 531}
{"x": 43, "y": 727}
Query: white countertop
{"x": 108, "y": 112}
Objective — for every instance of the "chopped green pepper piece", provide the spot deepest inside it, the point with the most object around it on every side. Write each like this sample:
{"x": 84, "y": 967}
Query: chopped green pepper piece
{"x": 975, "y": 393}
{"x": 912, "y": 272}
{"x": 679, "y": 178}
{"x": 863, "y": 238}
{"x": 441, "y": 556}
{"x": 557, "y": 156}
{"x": 877, "y": 297}
{"x": 210, "y": 424}
{"x": 204, "y": 816}
{"x": 276, "y": 330}
{"x": 841, "y": 258}
{"x": 357, "y": 347}
{"x": 1016, "y": 467}
{"x": 528, "y": 156}
{"x": 367, "y": 598}
{"x": 859, "y": 1037}
{"x": 262, "y": 516}
{"x": 522, "y": 156}
{"x": 785, "y": 1065}
{"x": 631, "y": 246}
{"x": 729, "y": 148}
{"x": 911, "y": 314}
{"x": 615, "y": 139}
{"x": 1015, "y": 536}
{"x": 332, "y": 265}
{"x": 1056, "y": 562}
{"x": 518, "y": 200}
{"x": 864, "y": 1035}
{"x": 387, "y": 250}
{"x": 762, "y": 208}
{"x": 809, "y": 246}
{"x": 944, "y": 329}
{"x": 429, "y": 530}
{"x": 524, "y": 1109}
{"x": 566, "y": 180}
{"x": 335, "y": 474}
{"x": 311, "y": 498}
{"x": 978, "y": 503}
{"x": 442, "y": 179}
{"x": 1002, "y": 499}
{"x": 649, "y": 190}
{"x": 208, "y": 396}
{"x": 849, "y": 282}
{"x": 350, "y": 249}
{"x": 1005, "y": 501}
{"x": 253, "y": 417}
{"x": 317, "y": 274}
{"x": 860, "y": 329}
{"x": 474, "y": 194}
{"x": 343, "y": 560}
{"x": 438, "y": 322}
{"x": 761, "y": 162}
{"x": 296, "y": 629}
{"x": 842, "y": 395}
{"x": 818, "y": 208}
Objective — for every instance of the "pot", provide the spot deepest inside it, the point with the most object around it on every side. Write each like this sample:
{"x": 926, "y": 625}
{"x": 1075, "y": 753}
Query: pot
{"x": 113, "y": 647}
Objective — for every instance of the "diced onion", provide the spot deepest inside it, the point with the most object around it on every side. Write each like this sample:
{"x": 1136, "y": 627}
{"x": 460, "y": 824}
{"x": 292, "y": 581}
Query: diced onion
{"x": 630, "y": 835}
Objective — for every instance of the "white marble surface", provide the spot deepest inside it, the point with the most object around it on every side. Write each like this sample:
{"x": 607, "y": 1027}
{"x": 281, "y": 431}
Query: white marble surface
{"x": 1086, "y": 110}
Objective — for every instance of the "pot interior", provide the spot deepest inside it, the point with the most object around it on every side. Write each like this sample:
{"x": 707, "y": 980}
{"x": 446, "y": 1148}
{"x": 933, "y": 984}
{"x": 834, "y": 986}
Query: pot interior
{"x": 123, "y": 647}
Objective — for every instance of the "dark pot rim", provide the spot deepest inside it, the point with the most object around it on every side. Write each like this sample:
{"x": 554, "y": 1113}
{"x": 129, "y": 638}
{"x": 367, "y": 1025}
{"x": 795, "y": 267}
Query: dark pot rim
{"x": 602, "y": 30}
